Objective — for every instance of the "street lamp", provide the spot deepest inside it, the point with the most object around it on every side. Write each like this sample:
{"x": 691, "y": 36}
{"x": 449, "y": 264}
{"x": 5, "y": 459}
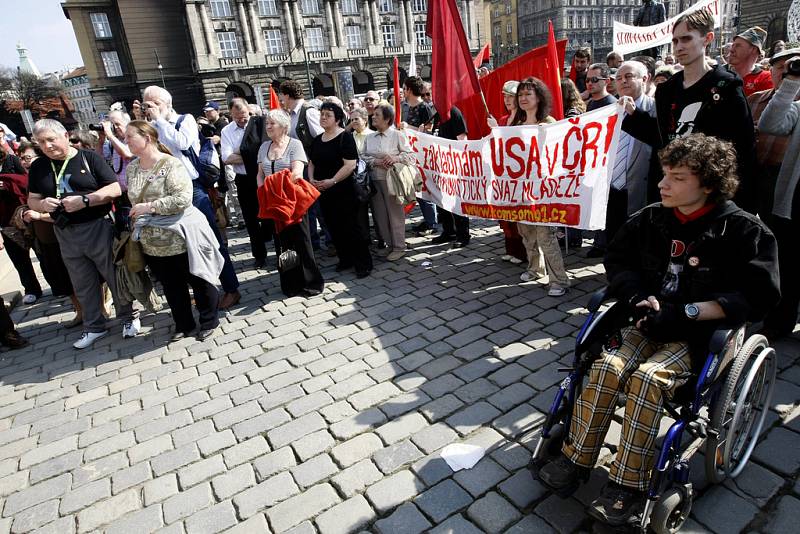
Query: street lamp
{"x": 308, "y": 67}
{"x": 160, "y": 68}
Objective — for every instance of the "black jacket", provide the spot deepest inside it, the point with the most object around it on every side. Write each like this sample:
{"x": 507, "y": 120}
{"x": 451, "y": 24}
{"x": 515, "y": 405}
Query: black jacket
{"x": 650, "y": 13}
{"x": 724, "y": 114}
{"x": 733, "y": 261}
{"x": 254, "y": 137}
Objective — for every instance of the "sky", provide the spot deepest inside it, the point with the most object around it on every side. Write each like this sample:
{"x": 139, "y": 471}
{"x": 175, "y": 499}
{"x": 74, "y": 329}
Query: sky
{"x": 40, "y": 25}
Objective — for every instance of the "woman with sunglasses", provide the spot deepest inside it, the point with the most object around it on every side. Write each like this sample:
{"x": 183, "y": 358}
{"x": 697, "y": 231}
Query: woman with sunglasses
{"x": 533, "y": 103}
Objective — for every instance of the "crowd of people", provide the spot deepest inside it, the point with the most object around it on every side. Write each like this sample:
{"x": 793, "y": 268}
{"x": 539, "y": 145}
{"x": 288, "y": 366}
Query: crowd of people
{"x": 702, "y": 206}
{"x": 74, "y": 180}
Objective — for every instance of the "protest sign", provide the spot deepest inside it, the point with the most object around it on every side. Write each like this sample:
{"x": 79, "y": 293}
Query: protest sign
{"x": 629, "y": 39}
{"x": 551, "y": 174}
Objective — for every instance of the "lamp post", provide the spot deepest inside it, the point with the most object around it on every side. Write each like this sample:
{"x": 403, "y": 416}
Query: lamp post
{"x": 305, "y": 57}
{"x": 160, "y": 68}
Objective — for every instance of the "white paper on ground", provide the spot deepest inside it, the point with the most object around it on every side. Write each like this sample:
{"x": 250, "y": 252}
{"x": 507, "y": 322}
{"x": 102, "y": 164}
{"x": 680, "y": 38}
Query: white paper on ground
{"x": 462, "y": 455}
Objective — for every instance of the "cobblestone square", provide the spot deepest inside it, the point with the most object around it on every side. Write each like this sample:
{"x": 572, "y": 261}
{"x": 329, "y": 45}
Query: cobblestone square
{"x": 327, "y": 414}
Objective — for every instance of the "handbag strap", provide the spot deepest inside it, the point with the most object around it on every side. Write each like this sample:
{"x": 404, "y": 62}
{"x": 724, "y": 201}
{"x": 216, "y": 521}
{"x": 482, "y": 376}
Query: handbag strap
{"x": 148, "y": 180}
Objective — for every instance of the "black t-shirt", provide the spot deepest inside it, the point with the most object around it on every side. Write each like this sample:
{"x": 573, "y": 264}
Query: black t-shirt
{"x": 11, "y": 165}
{"x": 687, "y": 103}
{"x": 683, "y": 236}
{"x": 418, "y": 115}
{"x": 328, "y": 156}
{"x": 86, "y": 172}
{"x": 454, "y": 126}
{"x": 596, "y": 104}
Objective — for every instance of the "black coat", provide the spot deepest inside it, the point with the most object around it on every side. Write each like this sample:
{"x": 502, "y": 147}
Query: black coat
{"x": 650, "y": 13}
{"x": 733, "y": 261}
{"x": 724, "y": 114}
{"x": 254, "y": 137}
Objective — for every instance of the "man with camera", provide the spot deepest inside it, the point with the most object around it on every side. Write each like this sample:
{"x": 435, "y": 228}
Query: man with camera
{"x": 780, "y": 118}
{"x": 179, "y": 133}
{"x": 111, "y": 145}
{"x": 76, "y": 187}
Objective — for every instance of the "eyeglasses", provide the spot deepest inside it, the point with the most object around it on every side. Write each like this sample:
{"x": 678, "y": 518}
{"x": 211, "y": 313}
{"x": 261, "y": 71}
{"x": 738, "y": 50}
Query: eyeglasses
{"x": 27, "y": 158}
{"x": 369, "y": 99}
{"x": 426, "y": 94}
{"x": 595, "y": 79}
{"x": 75, "y": 141}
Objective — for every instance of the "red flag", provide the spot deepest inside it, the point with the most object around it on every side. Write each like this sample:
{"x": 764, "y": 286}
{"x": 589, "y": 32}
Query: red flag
{"x": 573, "y": 73}
{"x": 552, "y": 77}
{"x": 484, "y": 55}
{"x": 453, "y": 77}
{"x": 531, "y": 63}
{"x": 397, "y": 114}
{"x": 274, "y": 102}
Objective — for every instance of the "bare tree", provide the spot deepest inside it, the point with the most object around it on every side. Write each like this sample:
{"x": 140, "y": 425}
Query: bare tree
{"x": 27, "y": 87}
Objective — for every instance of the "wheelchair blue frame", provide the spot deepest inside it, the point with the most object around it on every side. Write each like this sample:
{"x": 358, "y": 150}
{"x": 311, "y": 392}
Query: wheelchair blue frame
{"x": 671, "y": 457}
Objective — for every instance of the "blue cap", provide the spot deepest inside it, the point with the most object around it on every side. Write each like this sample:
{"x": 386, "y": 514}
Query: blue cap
{"x": 211, "y": 105}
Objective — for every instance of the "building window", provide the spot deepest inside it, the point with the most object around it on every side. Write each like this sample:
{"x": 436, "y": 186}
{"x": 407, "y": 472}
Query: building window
{"x": 386, "y": 6}
{"x": 419, "y": 6}
{"x": 221, "y": 8}
{"x": 389, "y": 35}
{"x": 508, "y": 27}
{"x": 315, "y": 40}
{"x": 274, "y": 41}
{"x": 228, "y": 46}
{"x": 420, "y": 31}
{"x": 310, "y": 7}
{"x": 497, "y": 30}
{"x": 102, "y": 29}
{"x": 508, "y": 8}
{"x": 267, "y": 8}
{"x": 349, "y": 7}
{"x": 352, "y": 35}
{"x": 111, "y": 63}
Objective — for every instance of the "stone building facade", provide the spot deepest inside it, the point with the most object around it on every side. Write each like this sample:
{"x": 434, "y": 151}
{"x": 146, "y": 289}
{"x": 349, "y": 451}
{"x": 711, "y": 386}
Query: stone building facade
{"x": 231, "y": 48}
{"x": 505, "y": 37}
{"x": 769, "y": 14}
{"x": 77, "y": 88}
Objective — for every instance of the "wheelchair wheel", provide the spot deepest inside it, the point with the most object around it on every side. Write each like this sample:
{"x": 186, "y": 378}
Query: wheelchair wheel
{"x": 739, "y": 412}
{"x": 671, "y": 511}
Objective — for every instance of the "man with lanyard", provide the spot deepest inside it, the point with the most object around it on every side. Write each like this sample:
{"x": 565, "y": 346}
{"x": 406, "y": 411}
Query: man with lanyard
{"x": 158, "y": 109}
{"x": 76, "y": 187}
{"x": 232, "y": 136}
{"x": 305, "y": 127}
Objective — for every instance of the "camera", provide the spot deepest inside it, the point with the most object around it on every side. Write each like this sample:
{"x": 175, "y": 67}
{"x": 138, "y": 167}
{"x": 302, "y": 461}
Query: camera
{"x": 792, "y": 67}
{"x": 60, "y": 217}
{"x": 96, "y": 127}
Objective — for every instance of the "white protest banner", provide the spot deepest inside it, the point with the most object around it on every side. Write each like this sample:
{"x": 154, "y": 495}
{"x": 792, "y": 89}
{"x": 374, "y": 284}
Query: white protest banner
{"x": 629, "y": 39}
{"x": 551, "y": 174}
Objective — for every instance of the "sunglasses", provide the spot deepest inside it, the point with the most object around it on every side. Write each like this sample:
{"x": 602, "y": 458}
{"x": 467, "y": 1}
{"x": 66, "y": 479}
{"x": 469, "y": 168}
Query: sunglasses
{"x": 426, "y": 94}
{"x": 369, "y": 99}
{"x": 595, "y": 79}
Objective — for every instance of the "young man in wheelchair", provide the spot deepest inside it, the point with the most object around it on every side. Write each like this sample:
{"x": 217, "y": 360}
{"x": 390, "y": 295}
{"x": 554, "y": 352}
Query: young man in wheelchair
{"x": 680, "y": 269}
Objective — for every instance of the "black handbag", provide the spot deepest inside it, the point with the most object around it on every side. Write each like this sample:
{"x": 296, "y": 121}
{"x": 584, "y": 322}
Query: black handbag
{"x": 288, "y": 260}
{"x": 362, "y": 181}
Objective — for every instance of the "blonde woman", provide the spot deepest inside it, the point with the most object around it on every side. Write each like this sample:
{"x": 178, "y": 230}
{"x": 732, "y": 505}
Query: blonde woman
{"x": 178, "y": 243}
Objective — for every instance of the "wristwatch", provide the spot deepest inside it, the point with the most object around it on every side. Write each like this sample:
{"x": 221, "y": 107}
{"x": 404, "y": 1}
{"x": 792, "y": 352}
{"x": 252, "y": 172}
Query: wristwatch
{"x": 692, "y": 311}
{"x": 85, "y": 199}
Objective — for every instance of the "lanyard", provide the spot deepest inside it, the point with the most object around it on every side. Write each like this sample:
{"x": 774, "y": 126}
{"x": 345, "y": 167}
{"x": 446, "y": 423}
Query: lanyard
{"x": 60, "y": 174}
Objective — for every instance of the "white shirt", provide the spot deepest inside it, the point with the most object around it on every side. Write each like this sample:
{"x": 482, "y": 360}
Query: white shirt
{"x": 230, "y": 141}
{"x": 390, "y": 142}
{"x": 623, "y": 138}
{"x": 312, "y": 118}
{"x": 177, "y": 140}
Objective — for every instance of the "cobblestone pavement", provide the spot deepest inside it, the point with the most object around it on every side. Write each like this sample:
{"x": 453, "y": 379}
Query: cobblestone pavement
{"x": 326, "y": 414}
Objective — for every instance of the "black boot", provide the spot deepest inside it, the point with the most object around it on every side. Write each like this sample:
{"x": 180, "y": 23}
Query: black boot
{"x": 561, "y": 474}
{"x": 14, "y": 340}
{"x": 617, "y": 505}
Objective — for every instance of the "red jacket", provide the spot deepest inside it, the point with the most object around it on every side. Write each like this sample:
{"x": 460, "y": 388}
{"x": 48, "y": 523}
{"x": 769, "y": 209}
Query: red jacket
{"x": 13, "y": 193}
{"x": 285, "y": 200}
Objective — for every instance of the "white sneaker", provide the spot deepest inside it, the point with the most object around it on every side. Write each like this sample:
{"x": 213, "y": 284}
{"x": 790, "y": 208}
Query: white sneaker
{"x": 556, "y": 291}
{"x": 29, "y": 299}
{"x": 527, "y": 276}
{"x": 131, "y": 329}
{"x": 515, "y": 261}
{"x": 87, "y": 339}
{"x": 506, "y": 257}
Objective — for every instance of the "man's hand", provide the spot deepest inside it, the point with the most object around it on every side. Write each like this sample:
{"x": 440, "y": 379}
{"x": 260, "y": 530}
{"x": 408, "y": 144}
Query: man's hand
{"x": 215, "y": 139}
{"x": 668, "y": 323}
{"x": 73, "y": 204}
{"x": 108, "y": 129}
{"x": 627, "y": 103}
{"x": 152, "y": 111}
{"x": 136, "y": 108}
{"x": 50, "y": 204}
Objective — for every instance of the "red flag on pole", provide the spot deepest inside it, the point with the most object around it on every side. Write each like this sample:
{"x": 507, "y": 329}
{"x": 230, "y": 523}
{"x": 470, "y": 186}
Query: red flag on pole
{"x": 484, "y": 55}
{"x": 453, "y": 72}
{"x": 274, "y": 102}
{"x": 552, "y": 76}
{"x": 396, "y": 78}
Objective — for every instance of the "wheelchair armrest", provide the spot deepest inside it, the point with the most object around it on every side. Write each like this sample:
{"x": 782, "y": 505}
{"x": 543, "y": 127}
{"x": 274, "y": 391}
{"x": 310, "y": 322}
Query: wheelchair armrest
{"x": 599, "y": 296}
{"x": 720, "y": 339}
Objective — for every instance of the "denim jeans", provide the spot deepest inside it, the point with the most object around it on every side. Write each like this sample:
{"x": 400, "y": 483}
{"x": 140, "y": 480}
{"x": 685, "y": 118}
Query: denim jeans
{"x": 200, "y": 200}
{"x": 428, "y": 210}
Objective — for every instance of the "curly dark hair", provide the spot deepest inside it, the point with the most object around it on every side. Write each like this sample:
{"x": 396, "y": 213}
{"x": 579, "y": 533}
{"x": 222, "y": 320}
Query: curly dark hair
{"x": 292, "y": 89}
{"x": 415, "y": 84}
{"x": 543, "y": 97}
{"x": 712, "y": 160}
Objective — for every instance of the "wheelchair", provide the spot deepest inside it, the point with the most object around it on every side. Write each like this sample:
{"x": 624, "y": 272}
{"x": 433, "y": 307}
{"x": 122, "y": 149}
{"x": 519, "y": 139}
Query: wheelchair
{"x": 723, "y": 408}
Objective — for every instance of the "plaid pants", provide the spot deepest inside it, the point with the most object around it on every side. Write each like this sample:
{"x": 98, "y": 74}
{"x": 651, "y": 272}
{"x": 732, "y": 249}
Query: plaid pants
{"x": 649, "y": 373}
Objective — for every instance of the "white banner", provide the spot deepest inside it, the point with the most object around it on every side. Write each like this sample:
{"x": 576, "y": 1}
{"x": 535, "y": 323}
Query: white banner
{"x": 552, "y": 174}
{"x": 629, "y": 39}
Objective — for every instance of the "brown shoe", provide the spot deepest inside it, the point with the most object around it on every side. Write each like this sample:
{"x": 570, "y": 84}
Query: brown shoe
{"x": 230, "y": 299}
{"x": 14, "y": 340}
